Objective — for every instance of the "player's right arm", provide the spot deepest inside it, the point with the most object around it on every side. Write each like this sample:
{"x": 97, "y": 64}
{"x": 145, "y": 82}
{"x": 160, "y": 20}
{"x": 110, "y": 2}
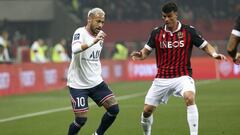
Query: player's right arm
{"x": 144, "y": 53}
{"x": 140, "y": 55}
{"x": 78, "y": 45}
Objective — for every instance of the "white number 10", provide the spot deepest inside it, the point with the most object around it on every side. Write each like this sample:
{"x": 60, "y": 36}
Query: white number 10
{"x": 80, "y": 101}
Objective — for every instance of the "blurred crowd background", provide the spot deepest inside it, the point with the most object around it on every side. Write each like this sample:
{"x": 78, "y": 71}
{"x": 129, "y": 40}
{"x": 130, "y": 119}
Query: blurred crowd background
{"x": 28, "y": 24}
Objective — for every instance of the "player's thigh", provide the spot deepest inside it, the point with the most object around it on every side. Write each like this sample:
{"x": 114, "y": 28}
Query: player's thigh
{"x": 159, "y": 92}
{"x": 79, "y": 100}
{"x": 184, "y": 84}
{"x": 103, "y": 95}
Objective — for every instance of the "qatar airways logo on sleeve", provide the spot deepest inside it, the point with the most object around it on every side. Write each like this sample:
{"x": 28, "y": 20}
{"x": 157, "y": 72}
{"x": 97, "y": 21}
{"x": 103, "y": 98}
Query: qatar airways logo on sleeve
{"x": 170, "y": 44}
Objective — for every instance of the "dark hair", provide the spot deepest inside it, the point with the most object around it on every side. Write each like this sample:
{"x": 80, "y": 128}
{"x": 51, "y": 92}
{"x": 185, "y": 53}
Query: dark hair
{"x": 169, "y": 7}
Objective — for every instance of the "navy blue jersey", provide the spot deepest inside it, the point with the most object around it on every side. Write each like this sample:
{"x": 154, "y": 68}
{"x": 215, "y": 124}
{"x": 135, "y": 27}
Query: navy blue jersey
{"x": 173, "y": 50}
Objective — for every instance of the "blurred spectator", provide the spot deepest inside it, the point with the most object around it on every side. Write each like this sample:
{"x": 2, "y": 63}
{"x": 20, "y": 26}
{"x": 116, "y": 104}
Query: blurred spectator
{"x": 6, "y": 45}
{"x": 75, "y": 5}
{"x": 2, "y": 55}
{"x": 38, "y": 52}
{"x": 59, "y": 53}
{"x": 132, "y": 9}
{"x": 120, "y": 51}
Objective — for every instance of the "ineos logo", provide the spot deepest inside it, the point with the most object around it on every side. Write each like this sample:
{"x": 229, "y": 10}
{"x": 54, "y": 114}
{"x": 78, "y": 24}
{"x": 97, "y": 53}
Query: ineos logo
{"x": 170, "y": 44}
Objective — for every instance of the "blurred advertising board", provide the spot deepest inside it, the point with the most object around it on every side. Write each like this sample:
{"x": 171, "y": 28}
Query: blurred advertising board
{"x": 28, "y": 77}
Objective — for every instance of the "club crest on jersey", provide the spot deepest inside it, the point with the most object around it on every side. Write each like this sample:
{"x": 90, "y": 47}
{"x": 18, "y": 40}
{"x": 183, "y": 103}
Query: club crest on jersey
{"x": 76, "y": 36}
{"x": 180, "y": 35}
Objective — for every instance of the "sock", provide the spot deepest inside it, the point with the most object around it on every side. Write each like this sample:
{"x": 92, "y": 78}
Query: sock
{"x": 192, "y": 117}
{"x": 76, "y": 125}
{"x": 106, "y": 122}
{"x": 73, "y": 129}
{"x": 146, "y": 124}
{"x": 107, "y": 119}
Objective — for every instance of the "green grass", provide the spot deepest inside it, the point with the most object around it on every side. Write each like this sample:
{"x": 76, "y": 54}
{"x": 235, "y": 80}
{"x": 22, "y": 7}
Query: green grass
{"x": 218, "y": 103}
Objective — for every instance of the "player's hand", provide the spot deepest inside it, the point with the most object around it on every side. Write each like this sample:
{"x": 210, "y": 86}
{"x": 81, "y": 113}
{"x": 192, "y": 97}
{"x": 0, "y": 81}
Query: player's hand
{"x": 219, "y": 56}
{"x": 100, "y": 36}
{"x": 136, "y": 55}
{"x": 237, "y": 59}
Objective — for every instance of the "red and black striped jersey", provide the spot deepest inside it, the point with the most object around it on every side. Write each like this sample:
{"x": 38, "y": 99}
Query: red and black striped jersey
{"x": 236, "y": 29}
{"x": 174, "y": 49}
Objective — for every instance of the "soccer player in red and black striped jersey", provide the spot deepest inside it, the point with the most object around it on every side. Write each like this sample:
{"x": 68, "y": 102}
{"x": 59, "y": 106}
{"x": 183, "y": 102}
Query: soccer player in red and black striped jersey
{"x": 234, "y": 41}
{"x": 173, "y": 43}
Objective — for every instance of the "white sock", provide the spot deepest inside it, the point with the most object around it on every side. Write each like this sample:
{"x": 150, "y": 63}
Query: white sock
{"x": 192, "y": 117}
{"x": 95, "y": 133}
{"x": 146, "y": 124}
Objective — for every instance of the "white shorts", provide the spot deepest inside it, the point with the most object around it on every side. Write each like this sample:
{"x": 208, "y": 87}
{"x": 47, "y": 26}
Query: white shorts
{"x": 161, "y": 89}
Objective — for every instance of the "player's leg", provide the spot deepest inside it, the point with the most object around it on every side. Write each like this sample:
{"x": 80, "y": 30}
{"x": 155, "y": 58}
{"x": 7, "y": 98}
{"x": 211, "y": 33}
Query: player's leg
{"x": 103, "y": 96}
{"x": 158, "y": 93}
{"x": 79, "y": 101}
{"x": 187, "y": 87}
{"x": 147, "y": 118}
{"x": 192, "y": 112}
{"x": 109, "y": 117}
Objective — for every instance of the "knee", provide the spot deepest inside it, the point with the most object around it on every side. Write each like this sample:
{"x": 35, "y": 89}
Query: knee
{"x": 113, "y": 110}
{"x": 80, "y": 121}
{"x": 189, "y": 99}
{"x": 148, "y": 110}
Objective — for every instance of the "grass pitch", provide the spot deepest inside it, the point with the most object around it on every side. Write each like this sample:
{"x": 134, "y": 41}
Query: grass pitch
{"x": 50, "y": 114}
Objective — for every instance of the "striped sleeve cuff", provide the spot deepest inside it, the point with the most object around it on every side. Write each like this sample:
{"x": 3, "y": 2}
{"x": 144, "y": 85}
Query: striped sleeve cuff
{"x": 203, "y": 44}
{"x": 236, "y": 32}
{"x": 148, "y": 47}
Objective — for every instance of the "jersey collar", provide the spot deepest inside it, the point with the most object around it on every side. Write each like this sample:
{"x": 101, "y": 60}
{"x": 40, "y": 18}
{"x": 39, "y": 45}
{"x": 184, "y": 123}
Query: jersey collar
{"x": 179, "y": 27}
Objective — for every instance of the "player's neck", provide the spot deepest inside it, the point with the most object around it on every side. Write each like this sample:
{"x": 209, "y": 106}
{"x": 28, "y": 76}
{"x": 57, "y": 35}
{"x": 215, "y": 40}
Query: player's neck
{"x": 174, "y": 28}
{"x": 87, "y": 27}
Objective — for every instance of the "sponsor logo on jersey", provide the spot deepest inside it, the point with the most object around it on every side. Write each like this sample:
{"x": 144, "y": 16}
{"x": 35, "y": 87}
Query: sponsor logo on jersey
{"x": 170, "y": 44}
{"x": 76, "y": 36}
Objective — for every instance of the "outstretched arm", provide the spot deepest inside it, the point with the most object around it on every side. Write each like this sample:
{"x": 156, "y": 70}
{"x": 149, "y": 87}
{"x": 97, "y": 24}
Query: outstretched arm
{"x": 210, "y": 50}
{"x": 140, "y": 55}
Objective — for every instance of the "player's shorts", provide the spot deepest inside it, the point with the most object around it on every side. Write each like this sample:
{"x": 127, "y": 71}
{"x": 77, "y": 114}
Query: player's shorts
{"x": 163, "y": 88}
{"x": 99, "y": 94}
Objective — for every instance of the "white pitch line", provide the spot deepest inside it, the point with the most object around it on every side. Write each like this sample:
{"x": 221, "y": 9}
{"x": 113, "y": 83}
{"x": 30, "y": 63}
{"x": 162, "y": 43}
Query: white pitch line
{"x": 62, "y": 109}
{"x": 90, "y": 104}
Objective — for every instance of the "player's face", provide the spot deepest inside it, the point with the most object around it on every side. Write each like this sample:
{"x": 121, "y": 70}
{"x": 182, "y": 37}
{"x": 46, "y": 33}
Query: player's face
{"x": 96, "y": 23}
{"x": 170, "y": 19}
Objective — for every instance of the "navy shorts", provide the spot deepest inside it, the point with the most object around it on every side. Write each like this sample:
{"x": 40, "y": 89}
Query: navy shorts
{"x": 99, "y": 94}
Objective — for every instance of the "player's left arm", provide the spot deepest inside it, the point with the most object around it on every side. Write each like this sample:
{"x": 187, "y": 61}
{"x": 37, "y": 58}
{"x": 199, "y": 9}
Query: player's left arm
{"x": 233, "y": 42}
{"x": 201, "y": 43}
{"x": 232, "y": 45}
{"x": 211, "y": 51}
{"x": 232, "y": 48}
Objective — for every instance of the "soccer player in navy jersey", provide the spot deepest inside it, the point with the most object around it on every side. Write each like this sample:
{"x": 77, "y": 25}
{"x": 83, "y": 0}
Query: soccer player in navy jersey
{"x": 234, "y": 41}
{"x": 173, "y": 43}
{"x": 84, "y": 75}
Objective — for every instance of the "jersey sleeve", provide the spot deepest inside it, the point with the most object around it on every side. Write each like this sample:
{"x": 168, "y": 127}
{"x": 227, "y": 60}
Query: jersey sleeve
{"x": 236, "y": 29}
{"x": 77, "y": 41}
{"x": 197, "y": 39}
{"x": 151, "y": 43}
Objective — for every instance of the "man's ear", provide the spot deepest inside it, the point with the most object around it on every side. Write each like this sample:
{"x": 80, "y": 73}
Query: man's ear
{"x": 176, "y": 14}
{"x": 89, "y": 19}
